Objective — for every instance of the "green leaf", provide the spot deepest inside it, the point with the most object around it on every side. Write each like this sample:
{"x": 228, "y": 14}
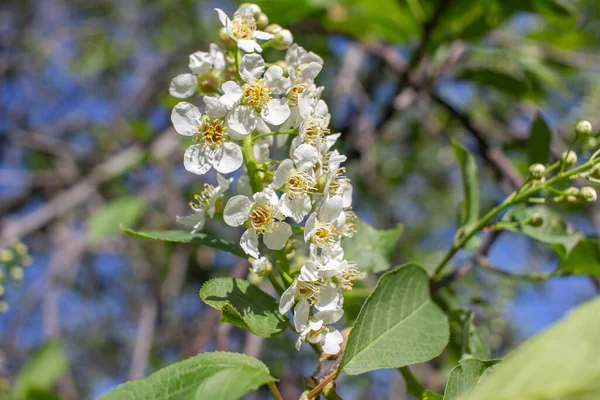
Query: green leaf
{"x": 206, "y": 376}
{"x": 583, "y": 259}
{"x": 123, "y": 211}
{"x": 372, "y": 249}
{"x": 560, "y": 363}
{"x": 465, "y": 339}
{"x": 398, "y": 325}
{"x": 465, "y": 376}
{"x": 512, "y": 82}
{"x": 243, "y": 304}
{"x": 42, "y": 371}
{"x": 177, "y": 236}
{"x": 538, "y": 146}
{"x": 470, "y": 211}
{"x": 553, "y": 230}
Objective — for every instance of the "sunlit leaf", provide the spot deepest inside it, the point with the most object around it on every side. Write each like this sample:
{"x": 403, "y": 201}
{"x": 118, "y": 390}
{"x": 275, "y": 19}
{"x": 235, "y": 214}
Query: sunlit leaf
{"x": 122, "y": 211}
{"x": 372, "y": 249}
{"x": 465, "y": 376}
{"x": 584, "y": 258}
{"x": 42, "y": 371}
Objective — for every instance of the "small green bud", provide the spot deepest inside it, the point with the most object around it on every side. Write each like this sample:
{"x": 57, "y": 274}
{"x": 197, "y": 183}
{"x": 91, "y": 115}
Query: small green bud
{"x": 273, "y": 28}
{"x": 16, "y": 273}
{"x": 536, "y": 220}
{"x": 224, "y": 36}
{"x": 583, "y": 129}
{"x": 571, "y": 195}
{"x": 595, "y": 171}
{"x": 588, "y": 194}
{"x": 3, "y": 307}
{"x": 537, "y": 171}
{"x": 6, "y": 256}
{"x": 262, "y": 20}
{"x": 20, "y": 248}
{"x": 1, "y": 290}
{"x": 569, "y": 159}
{"x": 283, "y": 39}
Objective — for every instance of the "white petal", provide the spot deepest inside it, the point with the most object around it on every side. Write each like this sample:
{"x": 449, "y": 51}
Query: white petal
{"x": 232, "y": 94}
{"x": 200, "y": 62}
{"x": 310, "y": 72}
{"x": 230, "y": 159}
{"x": 185, "y": 118}
{"x": 194, "y": 221}
{"x": 183, "y": 86}
{"x": 223, "y": 183}
{"x": 276, "y": 111}
{"x": 261, "y": 150}
{"x": 298, "y": 343}
{"x": 223, "y": 17}
{"x": 288, "y": 298}
{"x": 296, "y": 209}
{"x": 310, "y": 227}
{"x": 249, "y": 243}
{"x": 218, "y": 57}
{"x": 329, "y": 316}
{"x": 293, "y": 54}
{"x": 195, "y": 161}
{"x": 322, "y": 110}
{"x": 237, "y": 210}
{"x": 241, "y": 122}
{"x": 309, "y": 57}
{"x": 214, "y": 108}
{"x": 328, "y": 299}
{"x": 309, "y": 273}
{"x": 275, "y": 80}
{"x": 331, "y": 344}
{"x": 331, "y": 209}
{"x": 252, "y": 67}
{"x": 283, "y": 173}
{"x": 301, "y": 313}
{"x": 249, "y": 46}
{"x": 305, "y": 157}
{"x": 243, "y": 186}
{"x": 276, "y": 239}
{"x": 260, "y": 35}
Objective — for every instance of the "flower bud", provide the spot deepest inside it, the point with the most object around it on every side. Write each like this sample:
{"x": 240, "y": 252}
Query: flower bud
{"x": 537, "y": 171}
{"x": 6, "y": 256}
{"x": 569, "y": 159}
{"x": 571, "y": 195}
{"x": 16, "y": 273}
{"x": 595, "y": 171}
{"x": 251, "y": 8}
{"x": 283, "y": 39}
{"x": 3, "y": 307}
{"x": 536, "y": 220}
{"x": 588, "y": 194}
{"x": 273, "y": 28}
{"x": 262, "y": 20}
{"x": 261, "y": 266}
{"x": 1, "y": 290}
{"x": 583, "y": 129}
{"x": 224, "y": 36}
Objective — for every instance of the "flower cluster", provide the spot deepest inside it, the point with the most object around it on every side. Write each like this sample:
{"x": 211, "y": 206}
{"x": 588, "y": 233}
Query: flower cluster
{"x": 301, "y": 203}
{"x": 12, "y": 260}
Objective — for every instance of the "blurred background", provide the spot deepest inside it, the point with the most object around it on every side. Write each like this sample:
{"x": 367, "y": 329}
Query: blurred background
{"x": 86, "y": 143}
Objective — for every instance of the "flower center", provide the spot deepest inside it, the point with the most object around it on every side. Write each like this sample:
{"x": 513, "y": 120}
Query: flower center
{"x": 257, "y": 93}
{"x": 301, "y": 184}
{"x": 350, "y": 226}
{"x": 309, "y": 290}
{"x": 261, "y": 219}
{"x": 202, "y": 201}
{"x": 350, "y": 274}
{"x": 315, "y": 130}
{"x": 326, "y": 235}
{"x": 211, "y": 132}
{"x": 243, "y": 27}
{"x": 338, "y": 183}
{"x": 296, "y": 91}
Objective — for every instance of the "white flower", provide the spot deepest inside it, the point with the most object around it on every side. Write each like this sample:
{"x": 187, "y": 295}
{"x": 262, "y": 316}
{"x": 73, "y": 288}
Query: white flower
{"x": 314, "y": 128}
{"x": 298, "y": 182}
{"x": 263, "y": 93}
{"x": 324, "y": 226}
{"x": 336, "y": 183}
{"x": 201, "y": 62}
{"x": 262, "y": 216}
{"x": 316, "y": 331}
{"x": 242, "y": 29}
{"x": 213, "y": 132}
{"x": 261, "y": 266}
{"x": 204, "y": 204}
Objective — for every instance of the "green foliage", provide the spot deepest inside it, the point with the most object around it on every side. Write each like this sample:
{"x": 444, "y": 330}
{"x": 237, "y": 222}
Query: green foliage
{"x": 429, "y": 395}
{"x": 553, "y": 230}
{"x": 468, "y": 167}
{"x": 465, "y": 339}
{"x": 177, "y": 236}
{"x": 41, "y": 372}
{"x": 398, "y": 325}
{"x": 217, "y": 375}
{"x": 583, "y": 259}
{"x": 372, "y": 249}
{"x": 538, "y": 146}
{"x": 560, "y": 363}
{"x": 122, "y": 211}
{"x": 465, "y": 376}
{"x": 244, "y": 305}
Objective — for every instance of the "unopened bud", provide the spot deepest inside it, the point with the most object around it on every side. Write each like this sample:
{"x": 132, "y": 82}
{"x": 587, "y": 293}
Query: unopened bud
{"x": 273, "y": 28}
{"x": 595, "y": 171}
{"x": 6, "y": 256}
{"x": 3, "y": 306}
{"x": 536, "y": 219}
{"x": 16, "y": 273}
{"x": 283, "y": 39}
{"x": 537, "y": 171}
{"x": 569, "y": 159}
{"x": 224, "y": 36}
{"x": 1, "y": 290}
{"x": 262, "y": 20}
{"x": 261, "y": 266}
{"x": 591, "y": 142}
{"x": 588, "y": 194}
{"x": 251, "y": 8}
{"x": 571, "y": 195}
{"x": 583, "y": 129}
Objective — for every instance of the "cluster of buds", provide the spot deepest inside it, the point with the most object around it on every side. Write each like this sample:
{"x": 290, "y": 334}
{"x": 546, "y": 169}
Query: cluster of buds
{"x": 12, "y": 261}
{"x": 251, "y": 106}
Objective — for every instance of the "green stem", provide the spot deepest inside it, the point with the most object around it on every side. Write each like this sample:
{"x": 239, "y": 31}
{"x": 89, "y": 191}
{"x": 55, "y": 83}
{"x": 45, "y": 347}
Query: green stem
{"x": 286, "y": 132}
{"x": 412, "y": 384}
{"x": 524, "y": 277}
{"x": 274, "y": 391}
{"x": 278, "y": 288}
{"x": 562, "y": 164}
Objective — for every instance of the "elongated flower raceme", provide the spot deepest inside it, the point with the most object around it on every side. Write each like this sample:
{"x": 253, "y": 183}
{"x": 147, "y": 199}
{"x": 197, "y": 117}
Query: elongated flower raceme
{"x": 245, "y": 109}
